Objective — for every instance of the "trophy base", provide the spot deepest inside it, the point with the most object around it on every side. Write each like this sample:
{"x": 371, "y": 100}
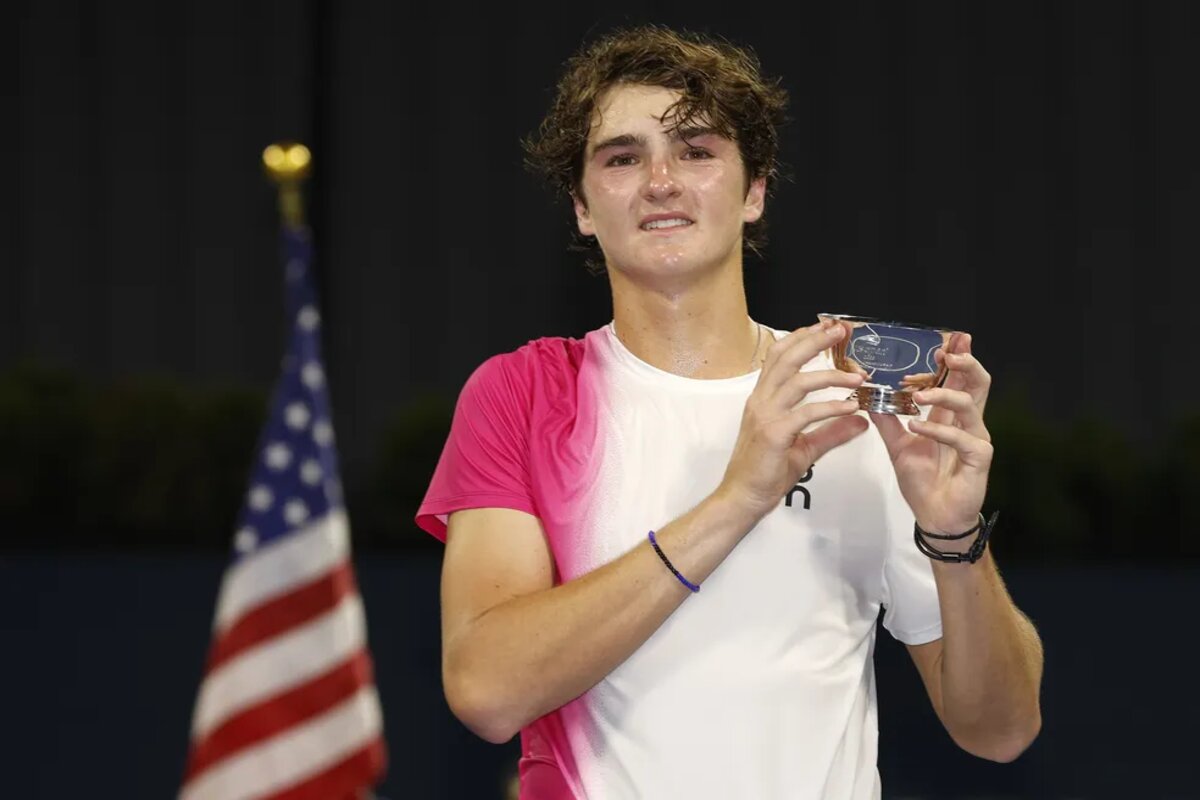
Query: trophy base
{"x": 882, "y": 400}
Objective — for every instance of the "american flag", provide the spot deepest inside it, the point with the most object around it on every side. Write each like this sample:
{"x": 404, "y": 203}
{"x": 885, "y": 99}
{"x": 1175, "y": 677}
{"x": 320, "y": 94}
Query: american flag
{"x": 288, "y": 709}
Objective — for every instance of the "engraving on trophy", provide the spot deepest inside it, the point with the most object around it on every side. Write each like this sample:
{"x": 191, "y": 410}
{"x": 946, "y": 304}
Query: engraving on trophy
{"x": 887, "y": 353}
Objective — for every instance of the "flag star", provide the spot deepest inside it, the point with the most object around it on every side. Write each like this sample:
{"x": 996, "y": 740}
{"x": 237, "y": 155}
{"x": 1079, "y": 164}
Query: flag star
{"x": 261, "y": 498}
{"x": 312, "y": 375}
{"x": 278, "y": 456}
{"x": 322, "y": 432}
{"x": 297, "y": 415}
{"x": 308, "y": 318}
{"x": 295, "y": 512}
{"x": 311, "y": 472}
{"x": 245, "y": 540}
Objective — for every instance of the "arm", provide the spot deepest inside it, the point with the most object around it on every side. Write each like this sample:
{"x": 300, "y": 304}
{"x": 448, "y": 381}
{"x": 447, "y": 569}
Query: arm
{"x": 516, "y": 647}
{"x": 984, "y": 675}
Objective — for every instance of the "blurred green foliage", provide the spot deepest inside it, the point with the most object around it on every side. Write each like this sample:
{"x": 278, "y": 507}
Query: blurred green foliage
{"x": 157, "y": 463}
{"x": 383, "y": 505}
{"x": 1063, "y": 491}
{"x": 147, "y": 461}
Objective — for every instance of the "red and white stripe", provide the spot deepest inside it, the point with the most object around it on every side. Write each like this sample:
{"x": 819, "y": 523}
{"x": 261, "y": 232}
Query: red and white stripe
{"x": 288, "y": 708}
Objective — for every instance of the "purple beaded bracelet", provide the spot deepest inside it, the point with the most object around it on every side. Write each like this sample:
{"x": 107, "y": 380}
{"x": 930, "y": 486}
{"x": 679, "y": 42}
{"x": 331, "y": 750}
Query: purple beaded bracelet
{"x": 671, "y": 566}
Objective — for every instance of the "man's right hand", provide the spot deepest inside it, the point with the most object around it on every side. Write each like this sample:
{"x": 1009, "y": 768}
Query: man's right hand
{"x": 773, "y": 448}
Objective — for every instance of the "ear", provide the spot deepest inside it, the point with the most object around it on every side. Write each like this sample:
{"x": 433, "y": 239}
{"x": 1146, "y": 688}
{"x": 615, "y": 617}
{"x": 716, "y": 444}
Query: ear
{"x": 756, "y": 195}
{"x": 583, "y": 217}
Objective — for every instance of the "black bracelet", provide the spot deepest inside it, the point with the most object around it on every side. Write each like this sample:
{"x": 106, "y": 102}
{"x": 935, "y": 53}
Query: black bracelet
{"x": 972, "y": 555}
{"x": 671, "y": 566}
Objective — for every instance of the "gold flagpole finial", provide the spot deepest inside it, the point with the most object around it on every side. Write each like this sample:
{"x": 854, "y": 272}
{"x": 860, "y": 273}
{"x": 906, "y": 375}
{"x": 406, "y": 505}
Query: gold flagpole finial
{"x": 289, "y": 164}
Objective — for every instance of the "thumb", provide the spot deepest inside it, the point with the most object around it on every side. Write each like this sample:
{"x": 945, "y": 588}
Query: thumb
{"x": 891, "y": 430}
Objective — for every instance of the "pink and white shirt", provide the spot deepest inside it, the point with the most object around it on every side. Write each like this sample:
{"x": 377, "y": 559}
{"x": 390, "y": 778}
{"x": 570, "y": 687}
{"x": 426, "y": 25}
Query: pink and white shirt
{"x": 761, "y": 685}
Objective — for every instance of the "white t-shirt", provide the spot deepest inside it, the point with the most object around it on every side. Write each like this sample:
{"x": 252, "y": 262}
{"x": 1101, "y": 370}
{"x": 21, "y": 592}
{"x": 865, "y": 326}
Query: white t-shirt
{"x": 762, "y": 684}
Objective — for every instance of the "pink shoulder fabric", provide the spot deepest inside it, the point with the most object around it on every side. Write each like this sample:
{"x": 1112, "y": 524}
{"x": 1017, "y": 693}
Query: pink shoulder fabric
{"x": 523, "y": 437}
{"x": 485, "y": 462}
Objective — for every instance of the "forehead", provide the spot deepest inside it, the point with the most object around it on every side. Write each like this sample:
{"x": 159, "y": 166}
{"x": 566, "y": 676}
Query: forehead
{"x": 626, "y": 107}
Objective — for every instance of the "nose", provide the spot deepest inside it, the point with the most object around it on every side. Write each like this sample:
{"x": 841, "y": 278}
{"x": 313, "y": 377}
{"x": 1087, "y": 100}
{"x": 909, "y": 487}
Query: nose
{"x": 660, "y": 182}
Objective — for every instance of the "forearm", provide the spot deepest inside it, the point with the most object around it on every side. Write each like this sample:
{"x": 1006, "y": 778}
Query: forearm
{"x": 530, "y": 655}
{"x": 991, "y": 669}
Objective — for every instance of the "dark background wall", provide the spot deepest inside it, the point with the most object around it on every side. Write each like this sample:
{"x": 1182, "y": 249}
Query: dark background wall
{"x": 1026, "y": 171}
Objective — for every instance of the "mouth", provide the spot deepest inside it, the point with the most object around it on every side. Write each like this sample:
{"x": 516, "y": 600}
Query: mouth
{"x": 666, "y": 224}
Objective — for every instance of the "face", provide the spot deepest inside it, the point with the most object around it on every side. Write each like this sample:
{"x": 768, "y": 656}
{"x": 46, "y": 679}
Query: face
{"x": 658, "y": 202}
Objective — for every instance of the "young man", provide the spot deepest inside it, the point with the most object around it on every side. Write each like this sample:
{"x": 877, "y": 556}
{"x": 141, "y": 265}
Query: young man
{"x": 590, "y": 487}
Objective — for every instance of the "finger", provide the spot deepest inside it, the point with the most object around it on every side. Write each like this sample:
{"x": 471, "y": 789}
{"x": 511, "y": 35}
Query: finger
{"x": 786, "y": 341}
{"x": 959, "y": 345}
{"x": 955, "y": 406}
{"x": 787, "y": 355}
{"x": 968, "y": 375}
{"x": 972, "y": 450}
{"x": 794, "y": 422}
{"x": 800, "y": 385}
{"x": 892, "y": 431}
{"x": 942, "y": 416}
{"x": 794, "y": 336}
{"x": 948, "y": 380}
{"x": 823, "y": 438}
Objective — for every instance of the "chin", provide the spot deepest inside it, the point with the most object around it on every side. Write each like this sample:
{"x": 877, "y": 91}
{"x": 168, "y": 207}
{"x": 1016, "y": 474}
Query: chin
{"x": 669, "y": 259}
{"x": 683, "y": 261}
{"x": 664, "y": 266}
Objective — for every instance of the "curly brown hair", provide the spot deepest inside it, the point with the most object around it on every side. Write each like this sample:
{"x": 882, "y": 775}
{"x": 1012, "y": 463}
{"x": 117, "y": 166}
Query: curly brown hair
{"x": 720, "y": 84}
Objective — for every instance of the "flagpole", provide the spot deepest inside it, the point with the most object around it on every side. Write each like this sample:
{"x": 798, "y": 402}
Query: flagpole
{"x": 305, "y": 715}
{"x": 289, "y": 164}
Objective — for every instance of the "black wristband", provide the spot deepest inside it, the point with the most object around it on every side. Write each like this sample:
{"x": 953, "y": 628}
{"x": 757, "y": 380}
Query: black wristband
{"x": 951, "y": 536}
{"x": 654, "y": 543}
{"x": 972, "y": 555}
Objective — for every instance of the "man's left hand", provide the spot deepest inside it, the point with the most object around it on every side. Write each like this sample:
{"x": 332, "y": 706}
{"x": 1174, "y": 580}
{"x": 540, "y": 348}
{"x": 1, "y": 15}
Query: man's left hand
{"x": 942, "y": 463}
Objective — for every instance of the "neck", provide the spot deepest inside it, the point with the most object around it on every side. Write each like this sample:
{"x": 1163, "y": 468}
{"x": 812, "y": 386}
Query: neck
{"x": 698, "y": 329}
